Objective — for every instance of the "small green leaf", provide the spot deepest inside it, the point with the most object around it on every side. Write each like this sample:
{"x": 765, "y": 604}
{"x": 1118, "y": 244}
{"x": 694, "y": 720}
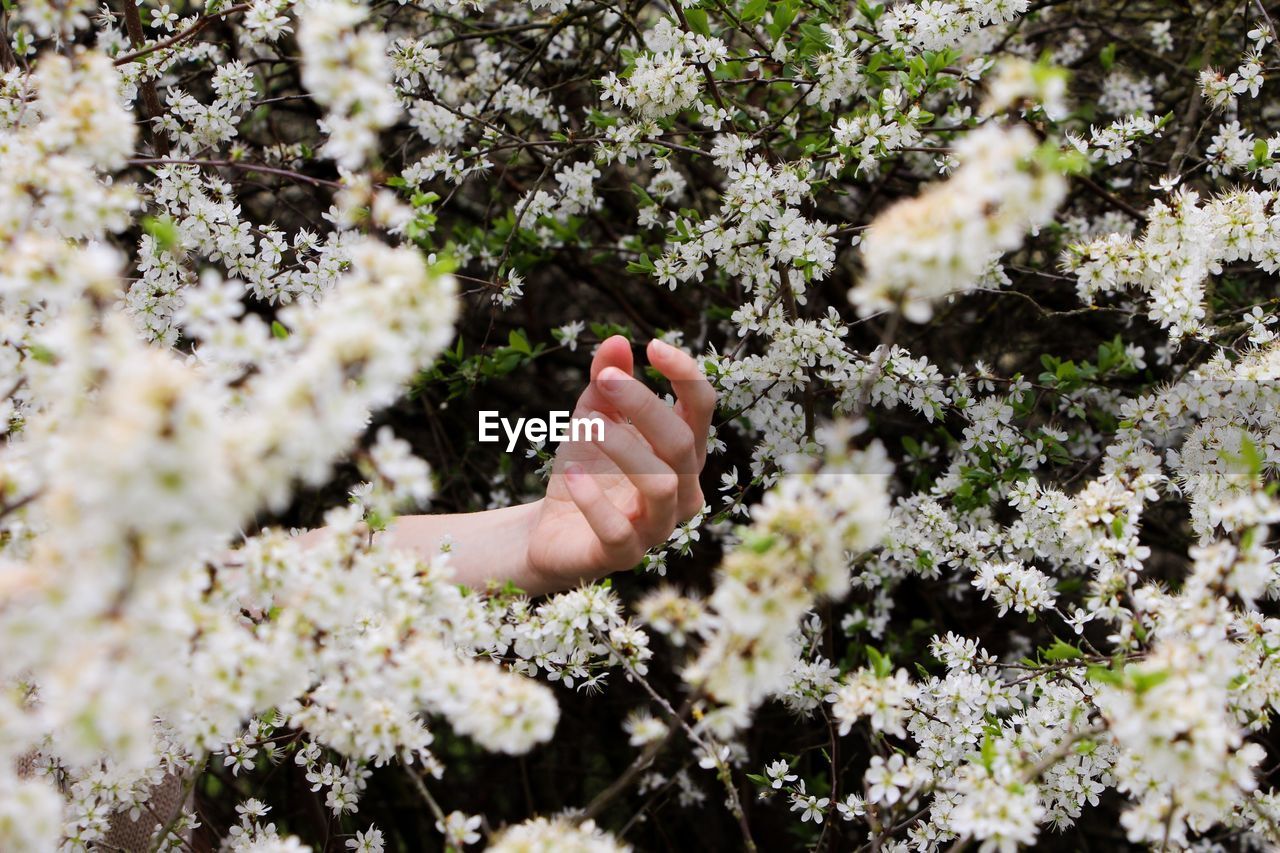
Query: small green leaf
{"x": 163, "y": 230}
{"x": 1144, "y": 681}
{"x": 643, "y": 199}
{"x": 697, "y": 19}
{"x": 754, "y": 10}
{"x": 1061, "y": 651}
{"x": 988, "y": 752}
{"x": 1108, "y": 56}
{"x": 644, "y": 265}
{"x": 278, "y": 329}
{"x": 784, "y": 14}
{"x": 759, "y": 543}
{"x": 518, "y": 342}
{"x": 1086, "y": 746}
{"x": 880, "y": 664}
{"x": 1104, "y": 675}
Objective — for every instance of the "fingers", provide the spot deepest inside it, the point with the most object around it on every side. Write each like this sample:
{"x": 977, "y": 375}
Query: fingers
{"x": 614, "y": 351}
{"x": 671, "y": 439}
{"x": 677, "y": 435}
{"x": 619, "y": 540}
{"x": 657, "y": 484}
{"x": 696, "y": 398}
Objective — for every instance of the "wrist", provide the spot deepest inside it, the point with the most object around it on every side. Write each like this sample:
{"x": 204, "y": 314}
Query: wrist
{"x": 516, "y": 529}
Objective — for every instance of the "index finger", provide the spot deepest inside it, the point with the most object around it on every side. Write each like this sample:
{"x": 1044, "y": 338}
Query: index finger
{"x": 696, "y": 399}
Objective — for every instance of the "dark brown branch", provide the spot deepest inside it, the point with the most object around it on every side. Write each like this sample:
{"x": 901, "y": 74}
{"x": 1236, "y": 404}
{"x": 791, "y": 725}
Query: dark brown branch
{"x": 150, "y": 100}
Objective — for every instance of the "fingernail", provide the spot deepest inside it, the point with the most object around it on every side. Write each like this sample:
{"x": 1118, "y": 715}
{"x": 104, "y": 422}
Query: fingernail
{"x": 600, "y": 416}
{"x": 610, "y": 379}
{"x": 664, "y": 347}
{"x": 572, "y": 472}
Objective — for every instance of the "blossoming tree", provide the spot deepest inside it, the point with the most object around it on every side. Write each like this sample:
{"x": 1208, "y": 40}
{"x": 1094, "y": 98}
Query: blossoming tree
{"x": 986, "y": 289}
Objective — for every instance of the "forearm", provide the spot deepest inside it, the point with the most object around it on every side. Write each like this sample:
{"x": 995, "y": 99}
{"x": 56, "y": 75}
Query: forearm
{"x": 488, "y": 546}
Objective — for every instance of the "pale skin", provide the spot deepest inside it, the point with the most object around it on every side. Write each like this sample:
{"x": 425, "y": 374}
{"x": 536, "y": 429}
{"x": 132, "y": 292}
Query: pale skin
{"x": 607, "y": 502}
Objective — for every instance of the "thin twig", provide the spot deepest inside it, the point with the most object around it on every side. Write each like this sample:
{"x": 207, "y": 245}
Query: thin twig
{"x": 189, "y": 32}
{"x": 633, "y": 771}
{"x": 235, "y": 164}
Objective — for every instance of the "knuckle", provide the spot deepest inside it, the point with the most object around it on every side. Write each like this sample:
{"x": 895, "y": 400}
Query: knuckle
{"x": 645, "y": 400}
{"x": 706, "y": 393}
{"x": 616, "y": 535}
{"x": 683, "y": 443}
{"x": 668, "y": 485}
{"x": 692, "y": 505}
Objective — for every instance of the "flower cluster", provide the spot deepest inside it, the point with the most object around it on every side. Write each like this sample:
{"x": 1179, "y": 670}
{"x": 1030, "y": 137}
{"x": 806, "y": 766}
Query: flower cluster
{"x": 947, "y": 239}
{"x": 797, "y": 549}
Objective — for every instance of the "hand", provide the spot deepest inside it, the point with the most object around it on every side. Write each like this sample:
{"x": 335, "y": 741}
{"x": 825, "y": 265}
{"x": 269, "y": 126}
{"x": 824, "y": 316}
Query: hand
{"x": 610, "y": 501}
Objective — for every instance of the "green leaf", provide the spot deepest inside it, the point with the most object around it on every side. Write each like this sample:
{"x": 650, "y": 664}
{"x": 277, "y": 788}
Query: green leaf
{"x": 643, "y": 199}
{"x": 754, "y": 10}
{"x": 1250, "y": 459}
{"x": 1061, "y": 651}
{"x": 697, "y": 19}
{"x": 1108, "y": 56}
{"x": 278, "y": 329}
{"x": 1065, "y": 161}
{"x": 599, "y": 119}
{"x": 606, "y": 330}
{"x": 424, "y": 199}
{"x": 988, "y": 752}
{"x": 642, "y": 266}
{"x": 1104, "y": 675}
{"x": 163, "y": 230}
{"x": 518, "y": 342}
{"x": 880, "y": 664}
{"x": 1144, "y": 681}
{"x": 784, "y": 14}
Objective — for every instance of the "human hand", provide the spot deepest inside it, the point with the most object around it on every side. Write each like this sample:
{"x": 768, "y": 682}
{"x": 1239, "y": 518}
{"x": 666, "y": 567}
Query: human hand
{"x": 609, "y": 501}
